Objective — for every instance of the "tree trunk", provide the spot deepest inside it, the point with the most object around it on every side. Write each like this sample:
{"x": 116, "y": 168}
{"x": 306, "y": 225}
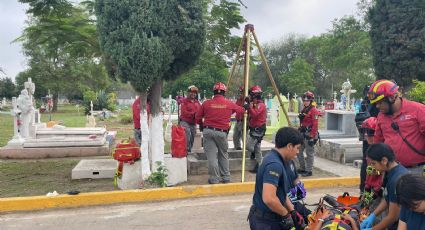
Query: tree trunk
{"x": 157, "y": 134}
{"x": 55, "y": 102}
{"x": 144, "y": 128}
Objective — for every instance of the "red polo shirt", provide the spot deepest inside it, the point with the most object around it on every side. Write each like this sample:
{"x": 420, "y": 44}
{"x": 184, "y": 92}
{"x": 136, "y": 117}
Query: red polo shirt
{"x": 411, "y": 122}
{"x": 136, "y": 112}
{"x": 240, "y": 102}
{"x": 257, "y": 114}
{"x": 216, "y": 112}
{"x": 189, "y": 108}
{"x": 311, "y": 119}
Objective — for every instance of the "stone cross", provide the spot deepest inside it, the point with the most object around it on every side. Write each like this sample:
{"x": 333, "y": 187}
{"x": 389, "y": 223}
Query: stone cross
{"x": 91, "y": 108}
{"x": 295, "y": 95}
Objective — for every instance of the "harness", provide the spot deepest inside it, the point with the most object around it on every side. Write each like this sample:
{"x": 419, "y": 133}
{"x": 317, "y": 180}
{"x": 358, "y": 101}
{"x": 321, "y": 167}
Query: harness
{"x": 125, "y": 152}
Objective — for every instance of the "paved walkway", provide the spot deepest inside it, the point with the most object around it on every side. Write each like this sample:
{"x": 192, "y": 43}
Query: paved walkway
{"x": 336, "y": 168}
{"x": 225, "y": 212}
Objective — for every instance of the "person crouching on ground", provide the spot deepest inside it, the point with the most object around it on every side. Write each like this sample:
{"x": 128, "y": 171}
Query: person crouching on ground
{"x": 271, "y": 208}
{"x": 213, "y": 118}
{"x": 309, "y": 126}
{"x": 411, "y": 197}
{"x": 189, "y": 108}
{"x": 382, "y": 158}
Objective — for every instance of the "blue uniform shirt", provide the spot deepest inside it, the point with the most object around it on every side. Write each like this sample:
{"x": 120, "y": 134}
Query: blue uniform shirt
{"x": 390, "y": 182}
{"x": 272, "y": 171}
{"x": 291, "y": 171}
{"x": 413, "y": 220}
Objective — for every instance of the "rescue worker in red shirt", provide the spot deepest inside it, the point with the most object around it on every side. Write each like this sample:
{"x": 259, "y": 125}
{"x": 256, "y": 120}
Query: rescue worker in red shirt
{"x": 400, "y": 124}
{"x": 238, "y": 129}
{"x": 136, "y": 119}
{"x": 214, "y": 120}
{"x": 257, "y": 112}
{"x": 189, "y": 108}
{"x": 309, "y": 122}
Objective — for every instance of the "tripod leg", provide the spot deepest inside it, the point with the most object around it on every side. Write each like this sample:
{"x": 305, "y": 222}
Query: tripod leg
{"x": 269, "y": 74}
{"x": 236, "y": 61}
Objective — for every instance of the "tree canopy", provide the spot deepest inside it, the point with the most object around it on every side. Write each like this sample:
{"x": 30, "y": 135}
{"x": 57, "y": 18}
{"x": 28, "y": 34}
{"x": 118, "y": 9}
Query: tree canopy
{"x": 398, "y": 40}
{"x": 150, "y": 40}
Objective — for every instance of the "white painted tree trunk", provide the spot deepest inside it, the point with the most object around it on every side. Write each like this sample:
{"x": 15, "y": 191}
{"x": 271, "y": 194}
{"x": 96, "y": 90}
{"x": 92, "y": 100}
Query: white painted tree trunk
{"x": 144, "y": 128}
{"x": 157, "y": 141}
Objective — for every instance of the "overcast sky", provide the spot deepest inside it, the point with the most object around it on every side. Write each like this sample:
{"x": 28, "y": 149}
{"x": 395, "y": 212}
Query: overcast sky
{"x": 272, "y": 19}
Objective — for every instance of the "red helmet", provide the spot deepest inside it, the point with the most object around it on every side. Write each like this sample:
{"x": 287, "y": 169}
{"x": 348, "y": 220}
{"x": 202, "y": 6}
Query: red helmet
{"x": 219, "y": 86}
{"x": 381, "y": 89}
{"x": 369, "y": 123}
{"x": 308, "y": 96}
{"x": 256, "y": 89}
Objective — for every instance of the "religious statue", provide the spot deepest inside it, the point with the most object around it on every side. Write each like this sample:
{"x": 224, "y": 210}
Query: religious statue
{"x": 25, "y": 106}
{"x": 347, "y": 91}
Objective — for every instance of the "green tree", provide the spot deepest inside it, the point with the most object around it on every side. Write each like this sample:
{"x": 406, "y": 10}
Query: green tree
{"x": 417, "y": 93}
{"x": 151, "y": 41}
{"x": 299, "y": 78}
{"x": 59, "y": 40}
{"x": 220, "y": 18}
{"x": 398, "y": 40}
{"x": 7, "y": 88}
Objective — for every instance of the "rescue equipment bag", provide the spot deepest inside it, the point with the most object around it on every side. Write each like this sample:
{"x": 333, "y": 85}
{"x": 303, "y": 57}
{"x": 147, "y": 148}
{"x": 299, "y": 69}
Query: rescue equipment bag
{"x": 125, "y": 152}
{"x": 178, "y": 141}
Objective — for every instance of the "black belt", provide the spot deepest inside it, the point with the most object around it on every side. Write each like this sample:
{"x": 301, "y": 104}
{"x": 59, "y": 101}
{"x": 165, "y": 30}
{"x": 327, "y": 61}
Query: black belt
{"x": 259, "y": 128}
{"x": 416, "y": 165}
{"x": 265, "y": 214}
{"x": 212, "y": 128}
{"x": 137, "y": 128}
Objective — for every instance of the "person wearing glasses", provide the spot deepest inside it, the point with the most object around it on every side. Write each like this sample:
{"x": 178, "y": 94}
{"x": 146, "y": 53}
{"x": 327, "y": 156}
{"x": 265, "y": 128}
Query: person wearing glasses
{"x": 400, "y": 124}
{"x": 411, "y": 197}
{"x": 382, "y": 158}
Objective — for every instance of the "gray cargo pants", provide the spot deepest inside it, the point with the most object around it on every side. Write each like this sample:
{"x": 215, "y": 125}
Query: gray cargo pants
{"x": 237, "y": 134}
{"x": 190, "y": 131}
{"x": 309, "y": 159}
{"x": 215, "y": 147}
{"x": 254, "y": 146}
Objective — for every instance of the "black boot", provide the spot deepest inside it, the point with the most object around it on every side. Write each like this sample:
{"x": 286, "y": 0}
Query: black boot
{"x": 255, "y": 169}
{"x": 252, "y": 156}
{"x": 307, "y": 174}
{"x": 300, "y": 171}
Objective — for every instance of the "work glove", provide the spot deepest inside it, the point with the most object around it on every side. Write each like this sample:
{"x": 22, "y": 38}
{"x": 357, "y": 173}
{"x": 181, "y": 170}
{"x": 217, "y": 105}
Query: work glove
{"x": 298, "y": 220}
{"x": 301, "y": 116}
{"x": 287, "y": 222}
{"x": 246, "y": 106}
{"x": 368, "y": 222}
{"x": 247, "y": 99}
{"x": 310, "y": 142}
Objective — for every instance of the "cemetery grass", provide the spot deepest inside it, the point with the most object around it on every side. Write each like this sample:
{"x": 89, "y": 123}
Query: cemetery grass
{"x": 38, "y": 177}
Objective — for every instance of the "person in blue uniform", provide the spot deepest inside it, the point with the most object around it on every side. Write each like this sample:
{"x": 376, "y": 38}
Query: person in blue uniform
{"x": 271, "y": 207}
{"x": 382, "y": 158}
{"x": 411, "y": 197}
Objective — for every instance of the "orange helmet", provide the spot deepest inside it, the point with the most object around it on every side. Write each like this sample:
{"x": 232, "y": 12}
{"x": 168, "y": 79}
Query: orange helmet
{"x": 381, "y": 89}
{"x": 308, "y": 96}
{"x": 256, "y": 89}
{"x": 369, "y": 123}
{"x": 193, "y": 89}
{"x": 219, "y": 86}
